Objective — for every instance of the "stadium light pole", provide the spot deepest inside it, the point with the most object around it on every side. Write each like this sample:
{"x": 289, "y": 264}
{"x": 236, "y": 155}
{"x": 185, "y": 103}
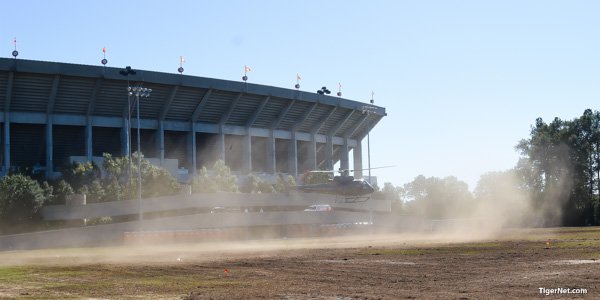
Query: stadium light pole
{"x": 126, "y": 72}
{"x": 144, "y": 93}
{"x": 368, "y": 109}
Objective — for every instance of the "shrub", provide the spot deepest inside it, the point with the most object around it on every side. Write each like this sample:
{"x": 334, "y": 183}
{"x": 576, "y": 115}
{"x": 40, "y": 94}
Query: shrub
{"x": 61, "y": 191}
{"x": 96, "y": 192}
{"x": 99, "y": 221}
{"x": 20, "y": 198}
{"x": 204, "y": 183}
{"x": 257, "y": 185}
{"x": 48, "y": 191}
{"x": 225, "y": 181}
{"x": 284, "y": 184}
{"x": 114, "y": 191}
{"x": 80, "y": 174}
{"x": 117, "y": 167}
{"x": 316, "y": 177}
{"x": 157, "y": 181}
{"x": 222, "y": 180}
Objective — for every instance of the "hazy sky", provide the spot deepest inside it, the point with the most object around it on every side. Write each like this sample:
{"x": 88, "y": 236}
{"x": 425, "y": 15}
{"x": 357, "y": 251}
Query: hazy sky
{"x": 462, "y": 81}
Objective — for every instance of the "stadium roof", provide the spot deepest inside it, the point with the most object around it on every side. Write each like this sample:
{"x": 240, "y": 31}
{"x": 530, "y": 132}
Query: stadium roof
{"x": 72, "y": 89}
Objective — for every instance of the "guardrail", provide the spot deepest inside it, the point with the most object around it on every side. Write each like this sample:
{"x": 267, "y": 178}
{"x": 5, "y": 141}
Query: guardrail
{"x": 279, "y": 211}
{"x": 113, "y": 234}
{"x": 205, "y": 201}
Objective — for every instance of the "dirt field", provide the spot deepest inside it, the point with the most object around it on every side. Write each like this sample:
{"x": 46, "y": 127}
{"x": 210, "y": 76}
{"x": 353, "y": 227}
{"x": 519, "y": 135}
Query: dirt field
{"x": 514, "y": 265}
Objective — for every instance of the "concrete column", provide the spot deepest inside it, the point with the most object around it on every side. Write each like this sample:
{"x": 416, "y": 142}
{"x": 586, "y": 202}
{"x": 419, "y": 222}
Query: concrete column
{"x": 88, "y": 140}
{"x": 271, "y": 153}
{"x": 160, "y": 141}
{"x": 344, "y": 158}
{"x": 6, "y": 141}
{"x": 49, "y": 149}
{"x": 125, "y": 132}
{"x": 192, "y": 150}
{"x": 247, "y": 148}
{"x": 312, "y": 153}
{"x": 293, "y": 156}
{"x": 357, "y": 155}
{"x": 329, "y": 153}
{"x": 221, "y": 144}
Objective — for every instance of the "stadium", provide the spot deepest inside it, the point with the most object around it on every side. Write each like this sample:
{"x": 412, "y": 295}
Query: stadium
{"x": 54, "y": 113}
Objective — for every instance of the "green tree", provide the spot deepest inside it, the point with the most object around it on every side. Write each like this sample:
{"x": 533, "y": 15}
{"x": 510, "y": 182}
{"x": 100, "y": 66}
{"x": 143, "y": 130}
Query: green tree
{"x": 117, "y": 167}
{"x": 265, "y": 187}
{"x": 436, "y": 198}
{"x": 222, "y": 180}
{"x": 502, "y": 200}
{"x": 20, "y": 198}
{"x": 225, "y": 181}
{"x": 284, "y": 184}
{"x": 114, "y": 191}
{"x": 203, "y": 183}
{"x": 563, "y": 162}
{"x": 316, "y": 177}
{"x": 252, "y": 184}
{"x": 95, "y": 192}
{"x": 48, "y": 192}
{"x": 256, "y": 185}
{"x": 391, "y": 193}
{"x": 61, "y": 191}
{"x": 158, "y": 182}
{"x": 80, "y": 174}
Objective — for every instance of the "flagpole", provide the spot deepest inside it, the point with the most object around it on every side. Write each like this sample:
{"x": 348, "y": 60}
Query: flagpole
{"x": 15, "y": 53}
{"x": 245, "y": 77}
{"x": 181, "y": 61}
{"x": 104, "y": 61}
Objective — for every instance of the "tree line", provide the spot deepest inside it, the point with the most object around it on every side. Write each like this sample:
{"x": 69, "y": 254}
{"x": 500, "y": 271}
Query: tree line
{"x": 556, "y": 181}
{"x": 560, "y": 167}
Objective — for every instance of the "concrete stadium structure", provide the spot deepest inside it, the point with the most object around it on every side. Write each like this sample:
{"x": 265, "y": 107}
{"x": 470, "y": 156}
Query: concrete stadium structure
{"x": 50, "y": 112}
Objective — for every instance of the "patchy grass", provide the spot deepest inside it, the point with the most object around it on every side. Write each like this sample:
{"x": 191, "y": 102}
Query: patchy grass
{"x": 425, "y": 251}
{"x": 398, "y": 251}
{"x": 478, "y": 245}
{"x": 575, "y": 244}
{"x": 472, "y": 252}
{"x": 10, "y": 274}
{"x": 461, "y": 248}
{"x": 543, "y": 234}
{"x": 110, "y": 281}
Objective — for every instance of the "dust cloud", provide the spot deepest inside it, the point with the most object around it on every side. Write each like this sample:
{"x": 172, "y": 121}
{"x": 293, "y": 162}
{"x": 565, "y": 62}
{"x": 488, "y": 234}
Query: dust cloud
{"x": 498, "y": 209}
{"x": 501, "y": 202}
{"x": 186, "y": 253}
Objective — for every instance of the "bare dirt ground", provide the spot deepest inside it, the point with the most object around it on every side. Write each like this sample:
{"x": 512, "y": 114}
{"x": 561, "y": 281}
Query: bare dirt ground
{"x": 514, "y": 264}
